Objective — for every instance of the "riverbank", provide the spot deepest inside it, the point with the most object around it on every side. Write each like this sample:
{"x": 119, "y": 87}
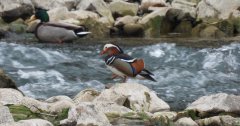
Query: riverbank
{"x": 128, "y": 104}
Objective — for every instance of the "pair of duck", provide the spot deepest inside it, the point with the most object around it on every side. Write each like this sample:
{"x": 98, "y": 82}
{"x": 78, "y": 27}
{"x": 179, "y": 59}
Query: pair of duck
{"x": 121, "y": 65}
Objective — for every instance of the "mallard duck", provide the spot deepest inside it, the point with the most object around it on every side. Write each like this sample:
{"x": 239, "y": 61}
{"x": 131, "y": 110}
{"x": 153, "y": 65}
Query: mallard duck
{"x": 55, "y": 32}
{"x": 123, "y": 65}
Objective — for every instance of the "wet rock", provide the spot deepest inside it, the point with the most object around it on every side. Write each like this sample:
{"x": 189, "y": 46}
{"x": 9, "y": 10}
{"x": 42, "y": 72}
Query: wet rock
{"x": 185, "y": 122}
{"x": 186, "y": 6}
{"x": 217, "y": 103}
{"x": 219, "y": 121}
{"x": 197, "y": 29}
{"x": 133, "y": 30}
{"x": 236, "y": 24}
{"x": 10, "y": 96}
{"x": 145, "y": 4}
{"x": 85, "y": 114}
{"x": 5, "y": 116}
{"x": 5, "y": 81}
{"x": 121, "y": 21}
{"x": 13, "y": 9}
{"x": 123, "y": 8}
{"x": 17, "y": 28}
{"x": 226, "y": 26}
{"x": 98, "y": 6}
{"x": 185, "y": 27}
{"x": 51, "y": 4}
{"x": 212, "y": 32}
{"x": 134, "y": 96}
{"x": 221, "y": 9}
{"x": 87, "y": 95}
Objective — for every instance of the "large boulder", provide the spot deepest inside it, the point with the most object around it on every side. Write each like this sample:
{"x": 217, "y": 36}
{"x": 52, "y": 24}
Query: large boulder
{"x": 218, "y": 8}
{"x": 51, "y": 4}
{"x": 98, "y": 6}
{"x": 186, "y": 5}
{"x": 211, "y": 32}
{"x": 134, "y": 96}
{"x": 11, "y": 10}
{"x": 122, "y": 8}
{"x": 185, "y": 122}
{"x": 224, "y": 120}
{"x": 145, "y": 4}
{"x": 87, "y": 95}
{"x": 216, "y": 103}
{"x": 10, "y": 96}
{"x": 5, "y": 116}
{"x": 5, "y": 81}
{"x": 85, "y": 114}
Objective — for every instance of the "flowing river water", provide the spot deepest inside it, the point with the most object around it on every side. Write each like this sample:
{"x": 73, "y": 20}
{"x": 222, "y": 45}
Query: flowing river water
{"x": 183, "y": 73}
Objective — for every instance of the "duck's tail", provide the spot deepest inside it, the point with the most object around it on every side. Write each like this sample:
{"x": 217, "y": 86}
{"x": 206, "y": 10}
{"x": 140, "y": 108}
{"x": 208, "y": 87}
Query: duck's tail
{"x": 82, "y": 31}
{"x": 147, "y": 74}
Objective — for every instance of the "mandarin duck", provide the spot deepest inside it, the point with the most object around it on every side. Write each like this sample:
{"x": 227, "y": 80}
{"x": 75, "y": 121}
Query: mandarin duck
{"x": 123, "y": 65}
{"x": 47, "y": 31}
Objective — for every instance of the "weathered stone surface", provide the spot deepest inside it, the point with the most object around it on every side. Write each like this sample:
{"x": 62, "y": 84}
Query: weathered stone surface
{"x": 134, "y": 96}
{"x": 13, "y": 9}
{"x": 217, "y": 8}
{"x": 145, "y": 4}
{"x": 126, "y": 20}
{"x": 123, "y": 8}
{"x": 85, "y": 114}
{"x": 219, "y": 121}
{"x": 51, "y": 4}
{"x": 185, "y": 122}
{"x": 10, "y": 96}
{"x": 168, "y": 115}
{"x": 98, "y": 6}
{"x": 217, "y": 103}
{"x": 5, "y": 116}
{"x": 185, "y": 5}
{"x": 185, "y": 27}
{"x": 30, "y": 122}
{"x": 87, "y": 95}
{"x": 5, "y": 81}
{"x": 133, "y": 30}
{"x": 212, "y": 32}
{"x": 226, "y": 26}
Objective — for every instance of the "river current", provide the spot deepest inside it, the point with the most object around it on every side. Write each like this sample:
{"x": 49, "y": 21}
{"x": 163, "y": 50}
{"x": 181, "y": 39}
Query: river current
{"x": 183, "y": 74}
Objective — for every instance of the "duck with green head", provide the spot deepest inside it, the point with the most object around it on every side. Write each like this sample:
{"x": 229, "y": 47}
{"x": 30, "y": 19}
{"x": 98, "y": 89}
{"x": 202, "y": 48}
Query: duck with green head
{"x": 55, "y": 32}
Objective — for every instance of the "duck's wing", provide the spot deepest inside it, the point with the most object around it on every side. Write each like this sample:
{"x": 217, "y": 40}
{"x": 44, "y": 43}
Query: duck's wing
{"x": 63, "y": 25}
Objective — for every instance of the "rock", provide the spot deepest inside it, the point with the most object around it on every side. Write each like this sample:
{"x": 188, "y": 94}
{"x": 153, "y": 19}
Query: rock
{"x": 121, "y": 21}
{"x": 186, "y": 6}
{"x": 197, "y": 29}
{"x": 134, "y": 96}
{"x": 58, "y": 98}
{"x": 5, "y": 81}
{"x": 85, "y": 114}
{"x": 59, "y": 103}
{"x": 133, "y": 30}
{"x": 145, "y": 4}
{"x": 168, "y": 115}
{"x": 219, "y": 121}
{"x": 87, "y": 95}
{"x": 30, "y": 122}
{"x": 98, "y": 6}
{"x": 10, "y": 96}
{"x": 123, "y": 8}
{"x": 221, "y": 9}
{"x": 216, "y": 103}
{"x": 51, "y": 4}
{"x": 185, "y": 122}
{"x": 185, "y": 27}
{"x": 236, "y": 24}
{"x": 13, "y": 9}
{"x": 17, "y": 28}
{"x": 5, "y": 116}
{"x": 226, "y": 26}
{"x": 212, "y": 32}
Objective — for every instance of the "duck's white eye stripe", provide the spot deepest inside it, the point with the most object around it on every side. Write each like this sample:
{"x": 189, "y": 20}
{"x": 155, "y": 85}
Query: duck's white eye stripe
{"x": 110, "y": 60}
{"x": 117, "y": 48}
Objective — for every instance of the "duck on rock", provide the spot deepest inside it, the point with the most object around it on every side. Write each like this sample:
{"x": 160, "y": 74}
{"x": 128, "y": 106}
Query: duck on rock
{"x": 47, "y": 31}
{"x": 123, "y": 65}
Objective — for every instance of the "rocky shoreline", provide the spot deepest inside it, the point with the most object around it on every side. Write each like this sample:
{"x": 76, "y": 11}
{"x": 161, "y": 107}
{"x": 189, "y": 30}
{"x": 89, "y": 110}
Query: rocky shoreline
{"x": 127, "y": 104}
{"x": 140, "y": 19}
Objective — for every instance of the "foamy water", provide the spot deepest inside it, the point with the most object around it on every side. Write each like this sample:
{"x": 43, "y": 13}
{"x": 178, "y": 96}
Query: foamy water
{"x": 183, "y": 74}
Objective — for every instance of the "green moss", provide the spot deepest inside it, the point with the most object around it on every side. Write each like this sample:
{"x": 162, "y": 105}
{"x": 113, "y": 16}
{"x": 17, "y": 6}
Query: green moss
{"x": 188, "y": 113}
{"x": 21, "y": 112}
{"x": 129, "y": 115}
{"x": 152, "y": 28}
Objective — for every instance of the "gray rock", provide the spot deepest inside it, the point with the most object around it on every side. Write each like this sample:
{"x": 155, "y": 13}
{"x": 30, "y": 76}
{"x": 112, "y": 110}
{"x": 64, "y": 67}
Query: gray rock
{"x": 13, "y": 9}
{"x": 134, "y": 96}
{"x": 51, "y": 4}
{"x": 98, "y": 6}
{"x": 5, "y": 116}
{"x": 30, "y": 122}
{"x": 10, "y": 96}
{"x": 123, "y": 8}
{"x": 186, "y": 6}
{"x": 87, "y": 95}
{"x": 121, "y": 21}
{"x": 225, "y": 120}
{"x": 85, "y": 114}
{"x": 185, "y": 122}
{"x": 5, "y": 81}
{"x": 216, "y": 103}
{"x": 145, "y": 4}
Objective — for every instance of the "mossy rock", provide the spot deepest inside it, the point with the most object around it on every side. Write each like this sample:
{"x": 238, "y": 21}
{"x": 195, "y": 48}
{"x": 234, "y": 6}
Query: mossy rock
{"x": 212, "y": 32}
{"x": 17, "y": 28}
{"x": 197, "y": 29}
{"x": 194, "y": 114}
{"x": 226, "y": 26}
{"x": 184, "y": 27}
{"x": 236, "y": 24}
{"x": 133, "y": 30}
{"x": 21, "y": 112}
{"x": 153, "y": 27}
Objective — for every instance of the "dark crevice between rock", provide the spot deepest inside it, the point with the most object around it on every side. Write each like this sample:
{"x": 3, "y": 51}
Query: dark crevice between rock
{"x": 127, "y": 104}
